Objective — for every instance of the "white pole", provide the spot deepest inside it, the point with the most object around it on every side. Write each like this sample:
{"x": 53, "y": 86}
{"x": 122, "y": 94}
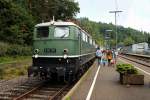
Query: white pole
{"x": 115, "y": 12}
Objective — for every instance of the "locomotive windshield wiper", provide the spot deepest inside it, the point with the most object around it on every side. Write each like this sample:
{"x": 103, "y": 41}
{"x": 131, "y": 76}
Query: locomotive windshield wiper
{"x": 63, "y": 35}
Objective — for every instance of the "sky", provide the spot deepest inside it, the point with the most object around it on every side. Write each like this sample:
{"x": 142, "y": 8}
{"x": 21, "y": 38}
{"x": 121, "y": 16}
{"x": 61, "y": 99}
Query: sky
{"x": 136, "y": 13}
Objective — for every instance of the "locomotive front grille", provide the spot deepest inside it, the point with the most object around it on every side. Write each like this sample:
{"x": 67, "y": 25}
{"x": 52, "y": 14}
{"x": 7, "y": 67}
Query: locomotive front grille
{"x": 44, "y": 61}
{"x": 50, "y": 61}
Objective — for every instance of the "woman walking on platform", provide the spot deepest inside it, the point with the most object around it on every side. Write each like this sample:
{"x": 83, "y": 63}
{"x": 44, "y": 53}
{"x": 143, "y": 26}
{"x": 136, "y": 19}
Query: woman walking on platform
{"x": 104, "y": 59}
{"x": 109, "y": 57}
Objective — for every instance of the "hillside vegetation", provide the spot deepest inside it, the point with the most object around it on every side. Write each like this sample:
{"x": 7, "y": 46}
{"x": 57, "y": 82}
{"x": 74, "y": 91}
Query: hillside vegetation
{"x": 126, "y": 36}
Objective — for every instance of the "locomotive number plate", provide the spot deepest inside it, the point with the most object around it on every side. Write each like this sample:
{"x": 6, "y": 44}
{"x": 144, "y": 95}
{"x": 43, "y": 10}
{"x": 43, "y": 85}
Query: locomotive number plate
{"x": 49, "y": 50}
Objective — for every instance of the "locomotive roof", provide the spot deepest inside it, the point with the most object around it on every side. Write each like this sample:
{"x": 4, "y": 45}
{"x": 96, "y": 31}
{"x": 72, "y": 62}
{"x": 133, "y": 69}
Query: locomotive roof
{"x": 56, "y": 23}
{"x": 60, "y": 23}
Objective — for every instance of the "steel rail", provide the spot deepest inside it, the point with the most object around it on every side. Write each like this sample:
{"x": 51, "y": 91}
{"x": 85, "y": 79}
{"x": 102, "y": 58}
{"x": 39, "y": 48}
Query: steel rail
{"x": 138, "y": 55}
{"x": 137, "y": 61}
{"x": 27, "y": 93}
{"x": 57, "y": 93}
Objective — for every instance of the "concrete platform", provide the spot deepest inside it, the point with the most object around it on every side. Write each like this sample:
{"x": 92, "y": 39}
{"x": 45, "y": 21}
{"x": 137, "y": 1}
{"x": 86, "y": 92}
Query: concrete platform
{"x": 107, "y": 87}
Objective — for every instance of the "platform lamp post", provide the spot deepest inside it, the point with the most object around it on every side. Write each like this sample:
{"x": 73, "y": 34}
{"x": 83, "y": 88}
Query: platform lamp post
{"x": 115, "y": 12}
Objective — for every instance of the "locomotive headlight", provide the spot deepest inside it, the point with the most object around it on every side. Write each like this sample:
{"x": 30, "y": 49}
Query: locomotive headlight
{"x": 36, "y": 55}
{"x": 65, "y": 56}
{"x": 36, "y": 51}
{"x": 65, "y": 53}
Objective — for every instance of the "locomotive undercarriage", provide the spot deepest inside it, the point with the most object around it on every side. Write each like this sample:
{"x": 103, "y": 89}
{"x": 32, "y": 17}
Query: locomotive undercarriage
{"x": 59, "y": 68}
{"x": 53, "y": 68}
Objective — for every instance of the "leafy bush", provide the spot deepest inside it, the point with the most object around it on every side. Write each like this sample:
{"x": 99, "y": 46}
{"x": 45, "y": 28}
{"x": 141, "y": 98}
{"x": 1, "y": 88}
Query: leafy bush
{"x": 18, "y": 50}
{"x": 14, "y": 50}
{"x": 126, "y": 69}
{"x": 3, "y": 48}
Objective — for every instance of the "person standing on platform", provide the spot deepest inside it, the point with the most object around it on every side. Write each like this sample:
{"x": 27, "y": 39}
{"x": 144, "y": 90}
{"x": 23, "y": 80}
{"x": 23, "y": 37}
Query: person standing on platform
{"x": 114, "y": 56}
{"x": 109, "y": 57}
{"x": 98, "y": 55}
{"x": 104, "y": 59}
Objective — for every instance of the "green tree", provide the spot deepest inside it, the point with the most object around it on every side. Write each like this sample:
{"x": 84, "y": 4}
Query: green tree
{"x": 60, "y": 9}
{"x": 126, "y": 36}
{"x": 16, "y": 25}
{"x": 128, "y": 41}
{"x": 18, "y": 17}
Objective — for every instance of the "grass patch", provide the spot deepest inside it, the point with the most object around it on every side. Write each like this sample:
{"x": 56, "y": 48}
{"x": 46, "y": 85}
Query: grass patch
{"x": 12, "y": 72}
{"x": 13, "y": 59}
{"x": 68, "y": 98}
{"x": 11, "y": 67}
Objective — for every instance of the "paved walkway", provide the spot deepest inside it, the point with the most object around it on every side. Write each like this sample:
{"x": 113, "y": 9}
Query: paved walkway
{"x": 107, "y": 87}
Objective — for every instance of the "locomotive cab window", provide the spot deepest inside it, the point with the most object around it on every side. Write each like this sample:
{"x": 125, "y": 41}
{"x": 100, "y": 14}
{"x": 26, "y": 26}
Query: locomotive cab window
{"x": 42, "y": 32}
{"x": 90, "y": 41}
{"x": 77, "y": 32}
{"x": 83, "y": 36}
{"x": 61, "y": 32}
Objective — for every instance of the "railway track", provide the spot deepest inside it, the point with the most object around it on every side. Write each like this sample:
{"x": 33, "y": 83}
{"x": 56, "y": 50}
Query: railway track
{"x": 142, "y": 57}
{"x": 43, "y": 92}
{"x": 37, "y": 90}
{"x": 8, "y": 84}
{"x": 19, "y": 89}
{"x": 143, "y": 60}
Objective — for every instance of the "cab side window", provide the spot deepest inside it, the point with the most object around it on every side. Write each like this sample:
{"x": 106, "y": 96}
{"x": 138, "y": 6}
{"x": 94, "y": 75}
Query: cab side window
{"x": 90, "y": 41}
{"x": 42, "y": 32}
{"x": 77, "y": 32}
{"x": 83, "y": 36}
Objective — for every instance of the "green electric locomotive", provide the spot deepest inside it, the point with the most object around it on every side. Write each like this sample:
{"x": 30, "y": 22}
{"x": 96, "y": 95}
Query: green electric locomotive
{"x": 61, "y": 50}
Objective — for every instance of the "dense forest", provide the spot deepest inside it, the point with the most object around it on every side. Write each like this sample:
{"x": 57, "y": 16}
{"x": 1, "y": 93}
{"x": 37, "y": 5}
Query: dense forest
{"x": 18, "y": 17}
